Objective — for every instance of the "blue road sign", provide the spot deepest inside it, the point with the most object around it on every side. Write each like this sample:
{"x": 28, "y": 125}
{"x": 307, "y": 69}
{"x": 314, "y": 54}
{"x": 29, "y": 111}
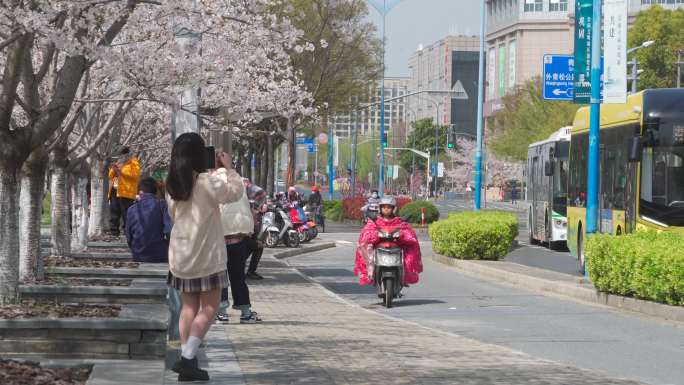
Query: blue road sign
{"x": 304, "y": 140}
{"x": 558, "y": 77}
{"x": 310, "y": 148}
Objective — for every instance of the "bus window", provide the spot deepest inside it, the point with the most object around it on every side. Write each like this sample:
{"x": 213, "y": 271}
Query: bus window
{"x": 578, "y": 170}
{"x": 560, "y": 191}
{"x": 662, "y": 185}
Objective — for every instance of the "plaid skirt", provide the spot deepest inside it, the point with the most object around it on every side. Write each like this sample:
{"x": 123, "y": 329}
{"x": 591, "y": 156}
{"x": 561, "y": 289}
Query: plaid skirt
{"x": 195, "y": 285}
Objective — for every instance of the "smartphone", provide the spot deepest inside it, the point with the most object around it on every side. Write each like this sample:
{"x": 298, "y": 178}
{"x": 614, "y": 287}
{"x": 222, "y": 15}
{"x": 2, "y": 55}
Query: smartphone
{"x": 209, "y": 158}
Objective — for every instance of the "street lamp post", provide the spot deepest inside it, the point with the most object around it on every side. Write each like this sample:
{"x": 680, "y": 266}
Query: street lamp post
{"x": 480, "y": 104}
{"x": 635, "y": 63}
{"x": 383, "y": 9}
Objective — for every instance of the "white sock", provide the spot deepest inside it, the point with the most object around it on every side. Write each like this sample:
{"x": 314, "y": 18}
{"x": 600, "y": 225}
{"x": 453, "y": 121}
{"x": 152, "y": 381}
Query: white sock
{"x": 183, "y": 347}
{"x": 191, "y": 347}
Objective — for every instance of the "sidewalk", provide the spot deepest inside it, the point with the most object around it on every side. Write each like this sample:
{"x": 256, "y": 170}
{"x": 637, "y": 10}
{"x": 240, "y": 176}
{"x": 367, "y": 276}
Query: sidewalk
{"x": 311, "y": 336}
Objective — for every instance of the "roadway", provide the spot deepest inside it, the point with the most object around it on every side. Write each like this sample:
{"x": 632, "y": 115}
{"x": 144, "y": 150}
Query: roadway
{"x": 622, "y": 345}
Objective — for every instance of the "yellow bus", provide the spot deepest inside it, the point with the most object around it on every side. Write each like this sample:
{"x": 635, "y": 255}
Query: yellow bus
{"x": 642, "y": 167}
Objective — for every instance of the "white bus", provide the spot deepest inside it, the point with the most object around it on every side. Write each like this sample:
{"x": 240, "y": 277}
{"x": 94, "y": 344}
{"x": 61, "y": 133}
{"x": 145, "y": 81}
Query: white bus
{"x": 547, "y": 178}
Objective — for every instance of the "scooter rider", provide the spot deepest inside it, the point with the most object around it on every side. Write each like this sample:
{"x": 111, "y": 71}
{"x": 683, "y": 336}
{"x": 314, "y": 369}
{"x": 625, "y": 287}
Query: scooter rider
{"x": 408, "y": 241}
{"x": 373, "y": 200}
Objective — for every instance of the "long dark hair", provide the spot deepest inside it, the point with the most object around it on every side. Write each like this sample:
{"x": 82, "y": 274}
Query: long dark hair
{"x": 187, "y": 156}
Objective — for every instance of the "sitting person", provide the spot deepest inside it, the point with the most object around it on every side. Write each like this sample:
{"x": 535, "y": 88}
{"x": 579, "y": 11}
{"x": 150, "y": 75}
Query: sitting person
{"x": 408, "y": 241}
{"x": 148, "y": 225}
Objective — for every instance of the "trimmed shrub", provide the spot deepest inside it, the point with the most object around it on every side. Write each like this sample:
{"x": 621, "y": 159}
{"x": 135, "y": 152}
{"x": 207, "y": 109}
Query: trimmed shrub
{"x": 474, "y": 235}
{"x": 645, "y": 265}
{"x": 411, "y": 212}
{"x": 402, "y": 201}
{"x": 333, "y": 210}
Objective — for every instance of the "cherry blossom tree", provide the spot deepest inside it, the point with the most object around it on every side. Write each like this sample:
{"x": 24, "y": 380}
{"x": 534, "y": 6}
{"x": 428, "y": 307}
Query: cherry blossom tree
{"x": 46, "y": 47}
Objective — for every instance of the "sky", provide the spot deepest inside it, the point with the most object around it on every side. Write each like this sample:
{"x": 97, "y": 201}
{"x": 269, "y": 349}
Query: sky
{"x": 414, "y": 22}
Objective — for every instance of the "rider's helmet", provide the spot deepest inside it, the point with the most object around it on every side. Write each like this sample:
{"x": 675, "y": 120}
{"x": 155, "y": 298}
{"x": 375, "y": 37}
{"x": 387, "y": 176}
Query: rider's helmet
{"x": 388, "y": 201}
{"x": 314, "y": 188}
{"x": 374, "y": 193}
{"x": 279, "y": 195}
{"x": 291, "y": 189}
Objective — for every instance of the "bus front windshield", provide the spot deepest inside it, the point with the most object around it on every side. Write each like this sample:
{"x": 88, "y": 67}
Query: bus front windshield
{"x": 560, "y": 185}
{"x": 662, "y": 185}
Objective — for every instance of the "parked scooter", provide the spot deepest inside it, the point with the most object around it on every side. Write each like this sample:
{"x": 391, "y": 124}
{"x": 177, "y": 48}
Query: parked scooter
{"x": 388, "y": 265}
{"x": 314, "y": 214}
{"x": 299, "y": 223}
{"x": 276, "y": 227}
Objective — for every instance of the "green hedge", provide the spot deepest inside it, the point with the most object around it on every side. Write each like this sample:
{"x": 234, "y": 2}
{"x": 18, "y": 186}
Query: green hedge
{"x": 474, "y": 235}
{"x": 333, "y": 210}
{"x": 411, "y": 212}
{"x": 646, "y": 265}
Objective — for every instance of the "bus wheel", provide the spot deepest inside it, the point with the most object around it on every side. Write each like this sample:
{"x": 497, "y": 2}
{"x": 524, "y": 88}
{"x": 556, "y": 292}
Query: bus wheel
{"x": 580, "y": 250}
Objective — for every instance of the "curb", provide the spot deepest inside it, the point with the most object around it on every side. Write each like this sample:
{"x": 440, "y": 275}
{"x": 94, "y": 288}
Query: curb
{"x": 304, "y": 250}
{"x": 566, "y": 286}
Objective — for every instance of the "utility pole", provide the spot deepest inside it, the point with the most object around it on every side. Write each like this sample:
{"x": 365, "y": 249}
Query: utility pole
{"x": 592, "y": 214}
{"x": 353, "y": 158}
{"x": 635, "y": 74}
{"x": 679, "y": 68}
{"x": 480, "y": 103}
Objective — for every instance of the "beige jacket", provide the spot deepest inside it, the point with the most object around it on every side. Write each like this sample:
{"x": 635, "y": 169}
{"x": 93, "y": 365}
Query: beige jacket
{"x": 237, "y": 217}
{"x": 197, "y": 248}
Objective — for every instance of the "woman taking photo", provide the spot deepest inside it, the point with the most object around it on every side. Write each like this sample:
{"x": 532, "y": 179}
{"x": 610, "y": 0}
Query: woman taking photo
{"x": 197, "y": 253}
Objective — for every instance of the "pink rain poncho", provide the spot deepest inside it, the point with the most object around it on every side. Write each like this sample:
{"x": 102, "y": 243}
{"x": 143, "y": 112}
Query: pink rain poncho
{"x": 407, "y": 240}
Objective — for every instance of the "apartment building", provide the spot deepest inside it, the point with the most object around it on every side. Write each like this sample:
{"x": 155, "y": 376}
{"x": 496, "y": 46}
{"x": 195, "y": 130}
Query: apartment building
{"x": 367, "y": 120}
{"x": 520, "y": 32}
{"x": 448, "y": 64}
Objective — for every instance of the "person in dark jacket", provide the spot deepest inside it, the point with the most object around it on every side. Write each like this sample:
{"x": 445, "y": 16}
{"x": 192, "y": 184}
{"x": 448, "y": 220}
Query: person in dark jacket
{"x": 148, "y": 225}
{"x": 257, "y": 198}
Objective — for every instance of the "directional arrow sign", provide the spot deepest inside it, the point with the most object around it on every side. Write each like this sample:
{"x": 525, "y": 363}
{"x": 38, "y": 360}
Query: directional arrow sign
{"x": 558, "y": 75}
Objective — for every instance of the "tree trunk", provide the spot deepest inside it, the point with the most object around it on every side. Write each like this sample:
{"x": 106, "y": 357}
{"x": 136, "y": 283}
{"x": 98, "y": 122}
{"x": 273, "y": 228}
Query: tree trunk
{"x": 291, "y": 153}
{"x": 256, "y": 153}
{"x": 9, "y": 233}
{"x": 270, "y": 165}
{"x": 263, "y": 166}
{"x": 30, "y": 214}
{"x": 60, "y": 217}
{"x": 98, "y": 197}
{"x": 79, "y": 212}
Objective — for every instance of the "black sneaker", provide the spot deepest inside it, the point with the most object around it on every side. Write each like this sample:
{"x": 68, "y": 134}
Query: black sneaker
{"x": 177, "y": 366}
{"x": 253, "y": 275}
{"x": 220, "y": 317}
{"x": 250, "y": 319}
{"x": 190, "y": 371}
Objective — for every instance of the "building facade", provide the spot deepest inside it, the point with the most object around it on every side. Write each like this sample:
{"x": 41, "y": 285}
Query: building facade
{"x": 520, "y": 32}
{"x": 367, "y": 120}
{"x": 448, "y": 64}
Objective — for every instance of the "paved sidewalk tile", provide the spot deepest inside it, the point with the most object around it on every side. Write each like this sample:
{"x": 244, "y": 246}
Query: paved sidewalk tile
{"x": 310, "y": 336}
{"x": 217, "y": 358}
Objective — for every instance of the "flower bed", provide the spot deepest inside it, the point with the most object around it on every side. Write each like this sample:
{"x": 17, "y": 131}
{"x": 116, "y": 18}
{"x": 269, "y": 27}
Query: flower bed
{"x": 31, "y": 373}
{"x": 53, "y": 261}
{"x": 73, "y": 281}
{"x": 31, "y": 309}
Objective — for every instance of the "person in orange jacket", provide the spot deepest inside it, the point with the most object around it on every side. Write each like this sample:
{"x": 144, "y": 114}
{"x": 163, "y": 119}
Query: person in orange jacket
{"x": 123, "y": 188}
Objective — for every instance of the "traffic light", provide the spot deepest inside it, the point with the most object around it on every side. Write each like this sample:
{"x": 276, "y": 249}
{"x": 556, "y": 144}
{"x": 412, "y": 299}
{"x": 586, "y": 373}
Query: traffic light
{"x": 384, "y": 139}
{"x": 450, "y": 141}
